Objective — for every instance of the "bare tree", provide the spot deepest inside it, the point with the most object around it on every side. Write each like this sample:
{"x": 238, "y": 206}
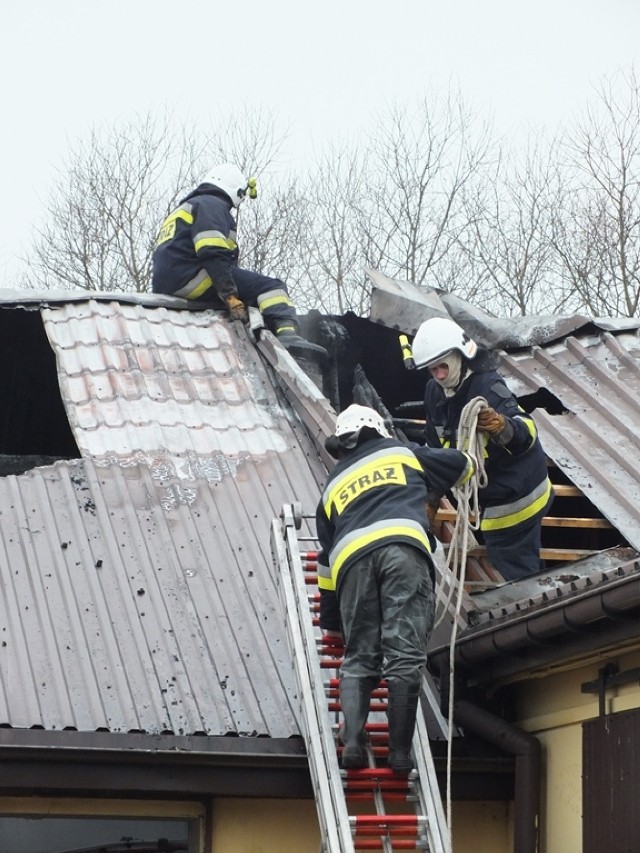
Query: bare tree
{"x": 250, "y": 139}
{"x": 115, "y": 189}
{"x": 509, "y": 239}
{"x": 427, "y": 198}
{"x": 332, "y": 244}
{"x": 598, "y": 240}
{"x": 418, "y": 166}
{"x": 273, "y": 231}
{"x": 106, "y": 205}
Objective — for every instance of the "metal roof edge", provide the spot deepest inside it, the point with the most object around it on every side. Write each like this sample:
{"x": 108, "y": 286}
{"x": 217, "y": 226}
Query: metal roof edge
{"x": 14, "y": 297}
{"x": 311, "y": 406}
{"x": 612, "y": 604}
{"x": 210, "y": 749}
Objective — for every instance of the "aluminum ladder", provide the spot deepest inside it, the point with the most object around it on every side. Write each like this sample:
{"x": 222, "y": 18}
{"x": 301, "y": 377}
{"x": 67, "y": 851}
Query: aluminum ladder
{"x": 369, "y": 809}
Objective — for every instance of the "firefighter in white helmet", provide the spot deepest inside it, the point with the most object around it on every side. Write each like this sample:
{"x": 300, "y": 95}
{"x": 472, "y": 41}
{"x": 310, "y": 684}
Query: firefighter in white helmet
{"x": 196, "y": 258}
{"x": 519, "y": 492}
{"x": 375, "y": 572}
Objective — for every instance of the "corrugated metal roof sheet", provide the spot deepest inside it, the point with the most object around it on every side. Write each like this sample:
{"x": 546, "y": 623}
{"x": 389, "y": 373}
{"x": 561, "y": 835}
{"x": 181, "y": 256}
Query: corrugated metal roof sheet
{"x": 136, "y": 381}
{"x": 591, "y": 367}
{"x": 138, "y": 589}
{"x": 595, "y": 441}
{"x": 585, "y": 370}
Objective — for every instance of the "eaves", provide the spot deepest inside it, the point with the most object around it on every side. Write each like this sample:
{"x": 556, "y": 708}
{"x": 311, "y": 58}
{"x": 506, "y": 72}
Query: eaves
{"x": 576, "y": 620}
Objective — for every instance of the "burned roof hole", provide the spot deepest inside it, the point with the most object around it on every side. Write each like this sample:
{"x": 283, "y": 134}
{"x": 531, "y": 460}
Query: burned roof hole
{"x": 34, "y": 429}
{"x": 542, "y": 399}
{"x": 351, "y": 341}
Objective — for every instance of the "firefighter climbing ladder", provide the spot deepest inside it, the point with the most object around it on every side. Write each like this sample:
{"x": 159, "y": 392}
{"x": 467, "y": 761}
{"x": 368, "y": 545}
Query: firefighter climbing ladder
{"x": 369, "y": 809}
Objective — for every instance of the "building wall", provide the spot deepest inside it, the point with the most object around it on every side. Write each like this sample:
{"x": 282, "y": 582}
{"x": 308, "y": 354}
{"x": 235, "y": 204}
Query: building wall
{"x": 482, "y": 827}
{"x": 280, "y": 826}
{"x": 553, "y": 708}
{"x": 236, "y": 825}
{"x": 264, "y": 826}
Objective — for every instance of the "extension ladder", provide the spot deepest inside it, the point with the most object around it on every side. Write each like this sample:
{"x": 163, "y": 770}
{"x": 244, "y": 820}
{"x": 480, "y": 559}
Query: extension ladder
{"x": 369, "y": 809}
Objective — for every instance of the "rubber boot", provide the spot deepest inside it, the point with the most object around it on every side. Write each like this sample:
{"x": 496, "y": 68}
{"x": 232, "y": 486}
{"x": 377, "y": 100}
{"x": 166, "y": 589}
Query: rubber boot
{"x": 297, "y": 345}
{"x": 401, "y": 711}
{"x": 355, "y": 701}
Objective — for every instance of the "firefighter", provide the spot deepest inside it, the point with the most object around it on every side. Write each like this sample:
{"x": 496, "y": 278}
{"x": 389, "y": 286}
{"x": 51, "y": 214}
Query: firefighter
{"x": 519, "y": 492}
{"x": 375, "y": 572}
{"x": 196, "y": 258}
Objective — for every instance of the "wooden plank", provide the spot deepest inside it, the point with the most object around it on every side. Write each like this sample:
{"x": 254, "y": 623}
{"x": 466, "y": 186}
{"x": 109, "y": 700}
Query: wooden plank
{"x": 567, "y": 491}
{"x": 593, "y": 523}
{"x": 547, "y": 521}
{"x": 565, "y": 555}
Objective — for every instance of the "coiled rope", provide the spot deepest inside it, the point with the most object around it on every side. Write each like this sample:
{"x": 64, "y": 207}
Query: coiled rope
{"x": 471, "y": 442}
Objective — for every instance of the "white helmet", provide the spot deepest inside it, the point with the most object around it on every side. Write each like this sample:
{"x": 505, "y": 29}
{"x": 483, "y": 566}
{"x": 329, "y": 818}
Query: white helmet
{"x": 437, "y": 337}
{"x": 230, "y": 180}
{"x": 354, "y": 419}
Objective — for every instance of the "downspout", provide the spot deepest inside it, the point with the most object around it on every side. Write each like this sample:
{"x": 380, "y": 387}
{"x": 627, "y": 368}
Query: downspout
{"x": 528, "y": 753}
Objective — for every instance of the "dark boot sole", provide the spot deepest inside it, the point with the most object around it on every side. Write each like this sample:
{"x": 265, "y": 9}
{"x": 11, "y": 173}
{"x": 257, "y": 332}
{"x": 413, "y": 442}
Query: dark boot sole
{"x": 354, "y": 758}
{"x": 401, "y": 764}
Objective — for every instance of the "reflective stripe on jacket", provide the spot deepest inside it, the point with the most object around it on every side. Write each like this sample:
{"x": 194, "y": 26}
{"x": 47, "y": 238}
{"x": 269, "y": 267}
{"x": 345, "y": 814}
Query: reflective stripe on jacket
{"x": 196, "y": 247}
{"x": 518, "y": 486}
{"x": 376, "y": 495}
{"x": 508, "y": 515}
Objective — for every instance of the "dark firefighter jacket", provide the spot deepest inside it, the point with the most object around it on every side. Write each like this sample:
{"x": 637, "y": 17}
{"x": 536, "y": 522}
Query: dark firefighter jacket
{"x": 196, "y": 248}
{"x": 376, "y": 496}
{"x": 518, "y": 486}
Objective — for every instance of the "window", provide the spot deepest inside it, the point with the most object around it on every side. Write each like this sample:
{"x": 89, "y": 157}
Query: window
{"x": 99, "y": 826}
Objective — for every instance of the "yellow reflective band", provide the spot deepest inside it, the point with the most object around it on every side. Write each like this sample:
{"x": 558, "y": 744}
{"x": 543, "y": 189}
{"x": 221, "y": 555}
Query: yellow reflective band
{"x": 168, "y": 228}
{"x": 530, "y": 425}
{"x": 216, "y": 242}
{"x": 275, "y": 300}
{"x": 324, "y": 577}
{"x": 511, "y": 519}
{"x": 198, "y": 285}
{"x": 200, "y": 289}
{"x": 385, "y": 470}
{"x": 361, "y": 542}
{"x": 466, "y": 475}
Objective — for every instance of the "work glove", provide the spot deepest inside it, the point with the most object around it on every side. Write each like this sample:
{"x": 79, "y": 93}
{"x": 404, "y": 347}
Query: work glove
{"x": 491, "y": 421}
{"x": 237, "y": 309}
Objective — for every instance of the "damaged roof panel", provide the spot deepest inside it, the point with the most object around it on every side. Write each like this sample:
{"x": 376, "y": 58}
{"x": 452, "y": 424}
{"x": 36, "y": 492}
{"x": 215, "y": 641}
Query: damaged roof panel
{"x": 586, "y": 373}
{"x": 139, "y": 380}
{"x": 139, "y": 592}
{"x": 594, "y": 440}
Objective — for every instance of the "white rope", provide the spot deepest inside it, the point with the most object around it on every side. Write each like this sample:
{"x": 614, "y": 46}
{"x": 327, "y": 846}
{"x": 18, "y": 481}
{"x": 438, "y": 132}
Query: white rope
{"x": 472, "y": 442}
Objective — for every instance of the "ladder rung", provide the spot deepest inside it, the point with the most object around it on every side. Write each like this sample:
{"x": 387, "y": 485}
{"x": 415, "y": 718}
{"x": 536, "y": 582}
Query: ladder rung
{"x": 375, "y": 707}
{"x": 370, "y": 785}
{"x": 389, "y": 797}
{"x": 332, "y": 692}
{"x": 379, "y": 774}
{"x": 374, "y": 790}
{"x": 399, "y": 844}
{"x": 387, "y": 821}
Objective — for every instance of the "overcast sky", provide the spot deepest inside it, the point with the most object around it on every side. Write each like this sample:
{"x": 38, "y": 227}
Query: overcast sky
{"x": 323, "y": 69}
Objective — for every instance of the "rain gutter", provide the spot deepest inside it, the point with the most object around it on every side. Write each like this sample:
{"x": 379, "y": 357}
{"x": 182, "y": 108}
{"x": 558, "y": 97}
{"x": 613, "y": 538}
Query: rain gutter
{"x": 592, "y": 618}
